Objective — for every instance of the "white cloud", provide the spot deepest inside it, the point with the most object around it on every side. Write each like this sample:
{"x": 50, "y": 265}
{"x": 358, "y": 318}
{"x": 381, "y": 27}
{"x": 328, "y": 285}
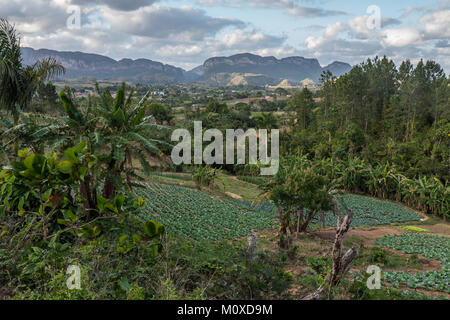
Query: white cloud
{"x": 331, "y": 31}
{"x": 183, "y": 23}
{"x": 359, "y": 27}
{"x": 250, "y": 40}
{"x": 179, "y": 50}
{"x": 437, "y": 24}
{"x": 401, "y": 37}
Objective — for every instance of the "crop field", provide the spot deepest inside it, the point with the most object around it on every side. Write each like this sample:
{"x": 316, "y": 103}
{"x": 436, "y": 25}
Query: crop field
{"x": 431, "y": 247}
{"x": 198, "y": 216}
{"x": 367, "y": 211}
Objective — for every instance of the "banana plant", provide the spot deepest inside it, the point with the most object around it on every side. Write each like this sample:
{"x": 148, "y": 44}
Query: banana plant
{"x": 129, "y": 134}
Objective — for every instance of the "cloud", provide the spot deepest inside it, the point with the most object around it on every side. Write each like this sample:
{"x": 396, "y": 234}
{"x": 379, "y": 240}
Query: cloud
{"x": 34, "y": 16}
{"x": 442, "y": 44}
{"x": 331, "y": 31}
{"x": 122, "y": 5}
{"x": 314, "y": 28}
{"x": 437, "y": 24}
{"x": 401, "y": 37}
{"x": 360, "y": 29}
{"x": 236, "y": 41}
{"x": 181, "y": 50}
{"x": 386, "y": 21}
{"x": 243, "y": 40}
{"x": 291, "y": 7}
{"x": 184, "y": 23}
{"x": 306, "y": 12}
{"x": 186, "y": 36}
{"x": 410, "y": 10}
{"x": 190, "y": 54}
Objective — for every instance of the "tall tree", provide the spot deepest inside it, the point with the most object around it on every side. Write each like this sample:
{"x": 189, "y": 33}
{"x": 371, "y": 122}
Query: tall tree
{"x": 18, "y": 82}
{"x": 327, "y": 80}
{"x": 302, "y": 103}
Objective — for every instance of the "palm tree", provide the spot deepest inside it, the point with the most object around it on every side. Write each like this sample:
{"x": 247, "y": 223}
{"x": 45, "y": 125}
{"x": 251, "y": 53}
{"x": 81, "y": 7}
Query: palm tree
{"x": 267, "y": 121}
{"x": 18, "y": 83}
{"x": 115, "y": 130}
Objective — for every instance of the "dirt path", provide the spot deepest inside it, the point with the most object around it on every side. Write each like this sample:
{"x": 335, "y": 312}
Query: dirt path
{"x": 367, "y": 234}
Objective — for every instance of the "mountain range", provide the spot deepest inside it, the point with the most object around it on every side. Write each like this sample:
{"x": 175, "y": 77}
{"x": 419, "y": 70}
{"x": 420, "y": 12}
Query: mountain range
{"x": 247, "y": 68}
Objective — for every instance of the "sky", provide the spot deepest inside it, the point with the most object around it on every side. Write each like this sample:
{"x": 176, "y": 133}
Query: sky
{"x": 185, "y": 33}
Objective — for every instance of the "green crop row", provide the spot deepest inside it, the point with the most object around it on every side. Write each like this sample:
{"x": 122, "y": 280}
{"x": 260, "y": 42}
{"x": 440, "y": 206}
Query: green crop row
{"x": 431, "y": 247}
{"x": 367, "y": 211}
{"x": 196, "y": 215}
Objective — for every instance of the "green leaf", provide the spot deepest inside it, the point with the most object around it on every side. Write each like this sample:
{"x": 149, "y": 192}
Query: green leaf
{"x": 150, "y": 228}
{"x": 122, "y": 239}
{"x": 119, "y": 201}
{"x": 101, "y": 203}
{"x": 23, "y": 153}
{"x": 20, "y": 207}
{"x": 80, "y": 147}
{"x": 65, "y": 167}
{"x": 119, "y": 116}
{"x": 71, "y": 156}
{"x": 29, "y": 161}
{"x": 136, "y": 238}
{"x": 120, "y": 98}
{"x": 123, "y": 284}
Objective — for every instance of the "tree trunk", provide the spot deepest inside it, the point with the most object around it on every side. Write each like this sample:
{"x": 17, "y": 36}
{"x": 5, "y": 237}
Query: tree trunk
{"x": 285, "y": 232}
{"x": 341, "y": 264}
{"x": 305, "y": 224}
{"x": 90, "y": 196}
{"x": 252, "y": 245}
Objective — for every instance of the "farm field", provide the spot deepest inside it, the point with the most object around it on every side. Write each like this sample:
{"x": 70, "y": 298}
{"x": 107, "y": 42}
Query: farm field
{"x": 216, "y": 217}
{"x": 196, "y": 215}
{"x": 200, "y": 216}
{"x": 367, "y": 211}
{"x": 429, "y": 246}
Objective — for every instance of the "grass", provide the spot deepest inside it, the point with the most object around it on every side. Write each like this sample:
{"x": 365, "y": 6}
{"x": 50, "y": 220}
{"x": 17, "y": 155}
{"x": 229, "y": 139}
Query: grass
{"x": 183, "y": 179}
{"x": 253, "y": 180}
{"x": 248, "y": 191}
{"x": 387, "y": 260}
{"x": 415, "y": 229}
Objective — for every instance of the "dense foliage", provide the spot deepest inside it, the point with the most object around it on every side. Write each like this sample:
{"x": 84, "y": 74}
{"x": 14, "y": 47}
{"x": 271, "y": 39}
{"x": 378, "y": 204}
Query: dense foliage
{"x": 380, "y": 113}
{"x": 427, "y": 194}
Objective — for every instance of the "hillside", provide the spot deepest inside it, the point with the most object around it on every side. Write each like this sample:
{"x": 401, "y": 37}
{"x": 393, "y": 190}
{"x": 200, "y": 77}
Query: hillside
{"x": 240, "y": 69}
{"x": 293, "y": 69}
{"x": 85, "y": 65}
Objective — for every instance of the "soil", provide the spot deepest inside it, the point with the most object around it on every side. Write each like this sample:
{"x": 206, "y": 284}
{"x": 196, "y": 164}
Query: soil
{"x": 368, "y": 234}
{"x": 233, "y": 195}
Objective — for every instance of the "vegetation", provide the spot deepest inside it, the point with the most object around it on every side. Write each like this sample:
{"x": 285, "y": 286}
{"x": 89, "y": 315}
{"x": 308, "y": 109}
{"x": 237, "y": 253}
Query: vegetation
{"x": 85, "y": 180}
{"x": 367, "y": 211}
{"x": 18, "y": 82}
{"x": 300, "y": 193}
{"x": 196, "y": 215}
{"x": 431, "y": 247}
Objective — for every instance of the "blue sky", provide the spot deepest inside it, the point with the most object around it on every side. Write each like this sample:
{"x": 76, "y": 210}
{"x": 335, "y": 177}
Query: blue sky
{"x": 186, "y": 32}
